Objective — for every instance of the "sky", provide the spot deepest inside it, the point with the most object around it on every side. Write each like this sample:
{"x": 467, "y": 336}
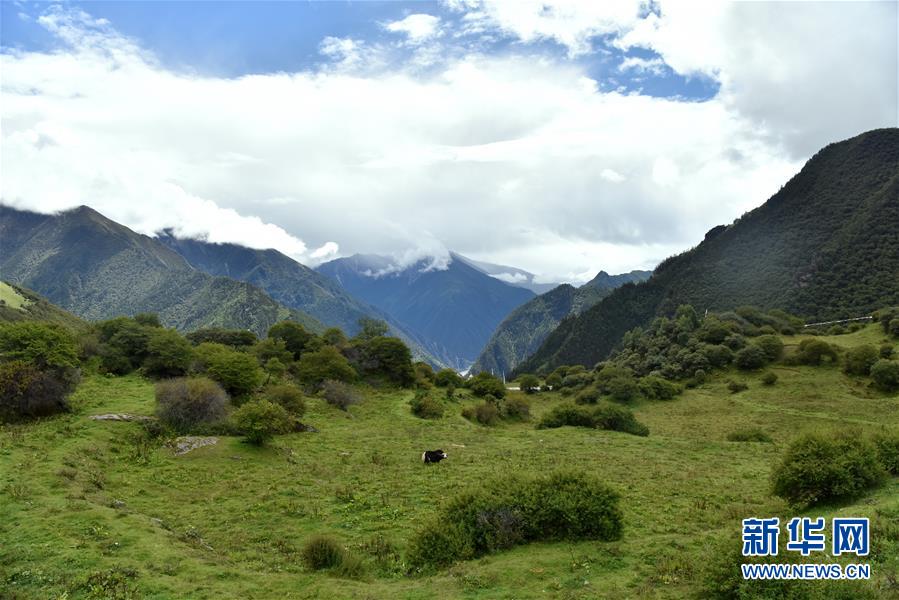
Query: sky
{"x": 557, "y": 136}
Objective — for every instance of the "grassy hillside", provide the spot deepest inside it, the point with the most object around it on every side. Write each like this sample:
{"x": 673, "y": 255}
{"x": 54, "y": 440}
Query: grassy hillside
{"x": 98, "y": 269}
{"x": 20, "y": 304}
{"x": 89, "y": 506}
{"x": 823, "y": 247}
{"x": 521, "y": 333}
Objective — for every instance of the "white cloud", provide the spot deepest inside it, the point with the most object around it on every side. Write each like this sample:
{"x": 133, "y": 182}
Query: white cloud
{"x": 656, "y": 66}
{"x": 417, "y": 27}
{"x": 520, "y": 161}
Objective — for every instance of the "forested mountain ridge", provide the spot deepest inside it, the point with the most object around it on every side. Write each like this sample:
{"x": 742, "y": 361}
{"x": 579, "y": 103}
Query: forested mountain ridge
{"x": 97, "y": 269}
{"x": 521, "y": 333}
{"x": 290, "y": 283}
{"x": 452, "y": 308}
{"x": 824, "y": 246}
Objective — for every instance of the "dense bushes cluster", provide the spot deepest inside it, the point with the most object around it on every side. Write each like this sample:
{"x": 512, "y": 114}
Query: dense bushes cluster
{"x": 39, "y": 368}
{"x": 831, "y": 466}
{"x": 493, "y": 410}
{"x": 604, "y": 415}
{"x": 513, "y": 511}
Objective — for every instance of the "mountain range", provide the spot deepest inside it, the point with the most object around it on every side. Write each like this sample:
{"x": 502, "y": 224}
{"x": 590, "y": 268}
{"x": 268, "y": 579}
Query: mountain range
{"x": 452, "y": 307}
{"x": 521, "y": 333}
{"x": 97, "y": 269}
{"x": 826, "y": 246}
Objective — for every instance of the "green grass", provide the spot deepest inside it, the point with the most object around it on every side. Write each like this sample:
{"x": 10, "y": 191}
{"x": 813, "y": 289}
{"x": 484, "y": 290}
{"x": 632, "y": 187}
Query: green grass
{"x": 11, "y": 297}
{"x": 229, "y": 521}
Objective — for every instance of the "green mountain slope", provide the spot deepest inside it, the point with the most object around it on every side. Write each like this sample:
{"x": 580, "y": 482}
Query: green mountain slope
{"x": 521, "y": 333}
{"x": 292, "y": 284}
{"x": 21, "y": 304}
{"x": 97, "y": 269}
{"x": 453, "y": 309}
{"x": 825, "y": 246}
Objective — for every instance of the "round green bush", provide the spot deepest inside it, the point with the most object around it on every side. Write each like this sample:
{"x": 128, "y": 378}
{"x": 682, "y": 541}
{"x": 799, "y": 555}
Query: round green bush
{"x": 446, "y": 378}
{"x": 168, "y": 354}
{"x": 485, "y": 413}
{"x": 27, "y": 392}
{"x": 589, "y": 395}
{"x": 826, "y": 466}
{"x": 653, "y": 387}
{"x": 529, "y": 383}
{"x": 326, "y": 364}
{"x": 484, "y": 383}
{"x": 259, "y": 420}
{"x": 752, "y": 434}
{"x": 860, "y": 359}
{"x": 886, "y": 351}
{"x": 735, "y": 387}
{"x": 885, "y": 374}
{"x": 769, "y": 378}
{"x": 321, "y": 552}
{"x": 887, "y": 444}
{"x": 618, "y": 418}
{"x": 815, "y": 352}
{"x": 289, "y": 397}
{"x": 190, "y": 404}
{"x": 340, "y": 394}
{"x": 516, "y": 409}
{"x": 425, "y": 407}
{"x": 750, "y": 358}
{"x": 771, "y": 345}
{"x": 513, "y": 511}
{"x": 238, "y": 372}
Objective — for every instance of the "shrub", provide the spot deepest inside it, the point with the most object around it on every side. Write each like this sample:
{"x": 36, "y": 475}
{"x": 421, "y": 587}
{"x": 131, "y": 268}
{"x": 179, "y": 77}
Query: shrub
{"x": 653, "y": 387}
{"x": 753, "y": 434}
{"x": 885, "y": 374}
{"x": 508, "y": 512}
{"x": 516, "y": 409}
{"x": 718, "y": 355}
{"x": 750, "y": 358}
{"x": 43, "y": 345}
{"x": 190, "y": 404}
{"x": 288, "y": 397}
{"x": 735, "y": 387}
{"x": 259, "y": 420}
{"x": 815, "y": 353}
{"x": 168, "y": 354}
{"x": 27, "y": 392}
{"x": 570, "y": 415}
{"x": 823, "y": 467}
{"x": 618, "y": 418}
{"x": 446, "y": 378}
{"x": 425, "y": 407}
{"x": 272, "y": 349}
{"x": 236, "y": 338}
{"x": 390, "y": 358}
{"x": 575, "y": 380}
{"x": 485, "y": 413}
{"x": 339, "y": 394}
{"x": 590, "y": 395}
{"x": 769, "y": 378}
{"x": 322, "y": 552}
{"x": 322, "y": 365}
{"x": 886, "y": 351}
{"x": 604, "y": 416}
{"x": 484, "y": 384}
{"x": 553, "y": 380}
{"x": 771, "y": 345}
{"x": 887, "y": 444}
{"x": 238, "y": 372}
{"x": 860, "y": 359}
{"x": 334, "y": 336}
{"x": 529, "y": 383}
{"x": 894, "y": 328}
{"x": 294, "y": 336}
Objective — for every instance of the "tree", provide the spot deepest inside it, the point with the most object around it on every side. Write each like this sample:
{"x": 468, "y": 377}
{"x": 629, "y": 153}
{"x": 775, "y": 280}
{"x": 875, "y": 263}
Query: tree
{"x": 485, "y": 384}
{"x": 43, "y": 345}
{"x": 390, "y": 358}
{"x": 371, "y": 328}
{"x": 260, "y": 420}
{"x": 446, "y": 378}
{"x": 272, "y": 348}
{"x": 238, "y": 372}
{"x": 294, "y": 335}
{"x": 529, "y": 383}
{"x": 334, "y": 336}
{"x": 328, "y": 363}
{"x": 147, "y": 319}
{"x": 168, "y": 354}
{"x": 237, "y": 338}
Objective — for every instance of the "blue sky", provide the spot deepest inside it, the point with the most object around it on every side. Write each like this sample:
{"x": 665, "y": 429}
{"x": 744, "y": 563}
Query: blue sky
{"x": 230, "y": 39}
{"x": 559, "y": 136}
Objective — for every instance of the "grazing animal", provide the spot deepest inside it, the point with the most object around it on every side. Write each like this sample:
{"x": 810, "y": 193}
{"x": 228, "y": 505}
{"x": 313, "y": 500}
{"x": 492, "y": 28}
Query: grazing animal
{"x": 432, "y": 456}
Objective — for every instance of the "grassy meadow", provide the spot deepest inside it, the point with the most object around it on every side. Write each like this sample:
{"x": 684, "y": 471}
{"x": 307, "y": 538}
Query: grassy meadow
{"x": 94, "y": 509}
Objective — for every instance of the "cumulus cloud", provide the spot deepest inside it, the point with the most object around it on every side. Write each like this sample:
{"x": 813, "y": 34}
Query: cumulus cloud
{"x": 515, "y": 159}
{"x": 417, "y": 27}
